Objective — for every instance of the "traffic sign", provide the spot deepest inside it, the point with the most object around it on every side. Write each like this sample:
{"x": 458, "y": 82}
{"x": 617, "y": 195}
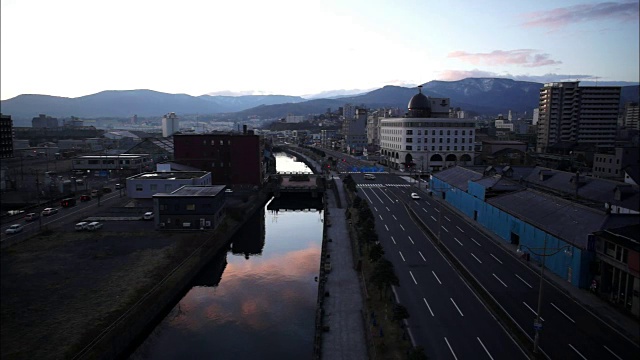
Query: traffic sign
{"x": 537, "y": 326}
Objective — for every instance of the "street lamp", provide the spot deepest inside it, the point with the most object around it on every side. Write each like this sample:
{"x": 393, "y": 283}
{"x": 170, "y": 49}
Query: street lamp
{"x": 537, "y": 325}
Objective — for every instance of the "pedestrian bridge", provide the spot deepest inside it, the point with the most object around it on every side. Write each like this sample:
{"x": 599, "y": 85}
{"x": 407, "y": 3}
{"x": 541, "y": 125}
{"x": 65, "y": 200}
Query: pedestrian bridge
{"x": 299, "y": 183}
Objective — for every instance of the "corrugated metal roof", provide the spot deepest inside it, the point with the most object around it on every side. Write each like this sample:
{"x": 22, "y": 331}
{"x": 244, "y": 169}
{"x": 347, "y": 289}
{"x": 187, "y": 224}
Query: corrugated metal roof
{"x": 458, "y": 177}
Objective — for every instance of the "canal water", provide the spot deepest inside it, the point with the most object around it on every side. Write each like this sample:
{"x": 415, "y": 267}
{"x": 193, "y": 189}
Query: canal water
{"x": 257, "y": 299}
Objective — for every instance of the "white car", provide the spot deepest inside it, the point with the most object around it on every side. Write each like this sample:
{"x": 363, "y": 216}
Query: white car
{"x": 15, "y": 228}
{"x": 148, "y": 215}
{"x": 415, "y": 196}
{"x": 49, "y": 211}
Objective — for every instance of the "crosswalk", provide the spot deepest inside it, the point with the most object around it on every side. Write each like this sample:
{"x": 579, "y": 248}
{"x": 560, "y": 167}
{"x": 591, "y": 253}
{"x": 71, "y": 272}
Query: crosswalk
{"x": 382, "y": 185}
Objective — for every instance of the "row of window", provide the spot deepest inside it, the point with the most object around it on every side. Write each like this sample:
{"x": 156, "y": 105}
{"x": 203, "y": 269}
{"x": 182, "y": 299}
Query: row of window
{"x": 616, "y": 251}
{"x": 604, "y": 159}
{"x": 433, "y": 148}
{"x": 601, "y": 169}
{"x": 440, "y": 140}
{"x": 213, "y": 142}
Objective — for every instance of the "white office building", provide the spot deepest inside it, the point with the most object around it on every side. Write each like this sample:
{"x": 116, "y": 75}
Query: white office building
{"x": 421, "y": 142}
{"x": 170, "y": 124}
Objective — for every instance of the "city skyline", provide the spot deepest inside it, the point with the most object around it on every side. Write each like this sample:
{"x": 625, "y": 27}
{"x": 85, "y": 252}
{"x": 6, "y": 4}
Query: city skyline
{"x": 75, "y": 48}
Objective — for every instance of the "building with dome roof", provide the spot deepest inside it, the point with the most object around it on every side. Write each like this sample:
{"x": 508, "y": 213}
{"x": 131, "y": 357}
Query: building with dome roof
{"x": 426, "y": 139}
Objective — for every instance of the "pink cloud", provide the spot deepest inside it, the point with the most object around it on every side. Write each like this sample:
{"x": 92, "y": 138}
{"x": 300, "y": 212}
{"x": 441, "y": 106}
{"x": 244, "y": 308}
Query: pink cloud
{"x": 560, "y": 17}
{"x": 523, "y": 57}
{"x": 453, "y": 75}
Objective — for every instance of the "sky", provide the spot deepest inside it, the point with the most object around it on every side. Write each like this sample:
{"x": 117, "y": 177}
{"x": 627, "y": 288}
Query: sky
{"x": 73, "y": 48}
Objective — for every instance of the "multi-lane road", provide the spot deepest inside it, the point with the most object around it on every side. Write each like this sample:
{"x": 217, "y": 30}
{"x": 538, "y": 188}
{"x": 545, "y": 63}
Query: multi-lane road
{"x": 446, "y": 316}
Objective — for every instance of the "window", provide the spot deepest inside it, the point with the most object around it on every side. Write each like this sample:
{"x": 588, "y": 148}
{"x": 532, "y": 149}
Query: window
{"x": 440, "y": 140}
{"x": 419, "y": 140}
{"x": 441, "y": 132}
{"x": 455, "y": 132}
{"x": 167, "y": 187}
{"x": 163, "y": 207}
{"x": 221, "y": 142}
{"x": 463, "y": 140}
{"x": 433, "y": 148}
{"x": 448, "y": 140}
{"x": 420, "y": 132}
{"x": 448, "y": 132}
{"x": 433, "y": 132}
{"x": 409, "y": 147}
{"x": 463, "y": 132}
{"x": 455, "y": 141}
{"x": 440, "y": 148}
{"x": 191, "y": 207}
{"x": 153, "y": 187}
{"x": 455, "y": 148}
{"x": 409, "y": 132}
{"x": 213, "y": 142}
{"x": 138, "y": 187}
{"x": 418, "y": 148}
{"x": 409, "y": 140}
{"x": 447, "y": 148}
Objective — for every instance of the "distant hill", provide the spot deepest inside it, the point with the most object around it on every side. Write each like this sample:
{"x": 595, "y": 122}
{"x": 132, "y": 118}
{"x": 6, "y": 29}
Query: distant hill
{"x": 486, "y": 96}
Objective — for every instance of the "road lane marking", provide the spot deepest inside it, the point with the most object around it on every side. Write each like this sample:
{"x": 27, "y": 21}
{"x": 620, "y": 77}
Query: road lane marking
{"x": 612, "y": 353}
{"x": 526, "y": 283}
{"x": 456, "y": 239}
{"x": 410, "y": 239}
{"x": 388, "y": 208}
{"x": 434, "y": 274}
{"x": 365, "y": 194}
{"x": 379, "y": 198}
{"x": 459, "y": 228}
{"x": 414, "y": 279}
{"x": 577, "y": 352}
{"x": 476, "y": 258}
{"x": 429, "y": 307}
{"x": 457, "y": 308}
{"x": 533, "y": 311}
{"x": 474, "y": 240}
{"x": 498, "y": 260}
{"x": 495, "y": 276}
{"x": 385, "y": 194}
{"x": 381, "y": 217}
{"x": 402, "y": 227}
{"x": 445, "y": 229}
{"x": 394, "y": 240}
{"x": 447, "y": 218}
{"x": 485, "y": 349}
{"x": 436, "y": 210}
{"x": 386, "y": 227}
{"x": 425, "y": 210}
{"x": 422, "y": 256}
{"x": 395, "y": 218}
{"x": 400, "y": 252}
{"x": 450, "y": 349}
{"x": 562, "y": 312}
{"x": 428, "y": 203}
{"x": 434, "y": 219}
{"x": 375, "y": 208}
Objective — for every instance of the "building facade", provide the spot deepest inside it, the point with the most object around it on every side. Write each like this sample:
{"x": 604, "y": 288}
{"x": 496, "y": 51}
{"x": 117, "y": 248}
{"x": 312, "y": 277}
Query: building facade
{"x": 422, "y": 142}
{"x": 610, "y": 164}
{"x": 145, "y": 185}
{"x": 631, "y": 116}
{"x": 6, "y": 136}
{"x": 190, "y": 208}
{"x": 44, "y": 121}
{"x": 354, "y": 131}
{"x": 232, "y": 159}
{"x": 569, "y": 113}
{"x": 170, "y": 124}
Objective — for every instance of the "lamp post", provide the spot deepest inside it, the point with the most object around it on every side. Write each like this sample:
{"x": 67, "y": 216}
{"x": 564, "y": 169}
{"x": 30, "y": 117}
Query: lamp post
{"x": 537, "y": 325}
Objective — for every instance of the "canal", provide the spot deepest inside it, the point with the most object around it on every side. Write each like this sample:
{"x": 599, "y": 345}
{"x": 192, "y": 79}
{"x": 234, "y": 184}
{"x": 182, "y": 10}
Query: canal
{"x": 257, "y": 299}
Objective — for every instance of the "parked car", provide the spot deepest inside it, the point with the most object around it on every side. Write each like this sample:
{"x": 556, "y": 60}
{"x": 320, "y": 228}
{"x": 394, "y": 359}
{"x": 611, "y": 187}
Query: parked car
{"x": 415, "y": 196}
{"x": 148, "y": 215}
{"x": 81, "y": 226}
{"x": 95, "y": 193}
{"x": 94, "y": 226}
{"x": 119, "y": 186}
{"x": 15, "y": 228}
{"x": 85, "y": 197}
{"x": 49, "y": 211}
{"x": 32, "y": 216}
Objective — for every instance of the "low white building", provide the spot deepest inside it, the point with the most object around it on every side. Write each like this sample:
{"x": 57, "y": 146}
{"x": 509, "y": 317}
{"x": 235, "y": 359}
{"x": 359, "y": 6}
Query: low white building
{"x": 145, "y": 185}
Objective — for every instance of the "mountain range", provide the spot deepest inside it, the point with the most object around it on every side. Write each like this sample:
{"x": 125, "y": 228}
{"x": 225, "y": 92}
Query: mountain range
{"x": 486, "y": 96}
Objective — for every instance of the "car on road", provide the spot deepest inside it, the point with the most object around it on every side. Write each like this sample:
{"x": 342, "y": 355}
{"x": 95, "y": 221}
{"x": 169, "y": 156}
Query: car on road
{"x": 85, "y": 197}
{"x": 15, "y": 228}
{"x": 49, "y": 211}
{"x": 94, "y": 226}
{"x": 119, "y": 186}
{"x": 32, "y": 216}
{"x": 415, "y": 196}
{"x": 369, "y": 177}
{"x": 148, "y": 215}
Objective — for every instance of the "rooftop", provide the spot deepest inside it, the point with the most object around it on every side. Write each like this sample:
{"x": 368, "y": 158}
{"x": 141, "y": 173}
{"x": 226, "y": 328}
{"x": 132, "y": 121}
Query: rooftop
{"x": 195, "y": 190}
{"x": 169, "y": 175}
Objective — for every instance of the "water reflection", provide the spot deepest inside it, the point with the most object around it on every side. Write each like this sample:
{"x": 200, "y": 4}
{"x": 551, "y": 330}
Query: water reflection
{"x": 245, "y": 306}
{"x": 289, "y": 163}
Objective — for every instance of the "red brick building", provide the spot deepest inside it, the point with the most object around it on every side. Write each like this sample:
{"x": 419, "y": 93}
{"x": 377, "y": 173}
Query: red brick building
{"x": 232, "y": 159}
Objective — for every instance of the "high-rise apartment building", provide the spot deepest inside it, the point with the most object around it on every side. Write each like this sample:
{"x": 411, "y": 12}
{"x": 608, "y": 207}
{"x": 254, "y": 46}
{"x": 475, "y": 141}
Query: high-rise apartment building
{"x": 354, "y": 131}
{"x": 630, "y": 118}
{"x": 349, "y": 111}
{"x": 44, "y": 121}
{"x": 6, "y": 136}
{"x": 569, "y": 113}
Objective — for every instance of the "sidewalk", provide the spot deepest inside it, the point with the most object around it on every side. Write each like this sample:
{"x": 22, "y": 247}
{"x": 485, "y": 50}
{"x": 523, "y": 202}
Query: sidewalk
{"x": 620, "y": 322}
{"x": 343, "y": 308}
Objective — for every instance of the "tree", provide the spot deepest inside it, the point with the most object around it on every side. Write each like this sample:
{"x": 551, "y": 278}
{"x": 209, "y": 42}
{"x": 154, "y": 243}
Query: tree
{"x": 383, "y": 276}
{"x": 417, "y": 353}
{"x": 376, "y": 252}
{"x": 400, "y": 312}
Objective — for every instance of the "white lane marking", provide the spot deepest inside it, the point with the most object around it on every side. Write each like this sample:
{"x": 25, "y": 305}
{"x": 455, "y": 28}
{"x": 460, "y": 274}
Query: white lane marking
{"x": 414, "y": 279}
{"x": 533, "y": 311}
{"x": 388, "y": 208}
{"x": 375, "y": 208}
{"x": 456, "y": 239}
{"x": 395, "y": 218}
{"x": 394, "y": 240}
{"x": 410, "y": 239}
{"x": 612, "y": 353}
{"x": 428, "y": 203}
{"x": 445, "y": 229}
{"x": 476, "y": 258}
{"x": 402, "y": 227}
{"x": 457, "y": 308}
{"x": 577, "y": 352}
{"x": 498, "y": 260}
{"x": 425, "y": 210}
{"x": 485, "y": 349}
{"x": 385, "y": 194}
{"x": 434, "y": 274}
{"x": 447, "y": 218}
{"x": 429, "y": 307}
{"x": 526, "y": 283}
{"x": 450, "y": 349}
{"x": 434, "y": 219}
{"x": 381, "y": 217}
{"x": 374, "y": 193}
{"x": 365, "y": 194}
{"x": 436, "y": 210}
{"x": 386, "y": 227}
{"x": 562, "y": 312}
{"x": 495, "y": 276}
{"x": 459, "y": 228}
{"x": 422, "y": 256}
{"x": 399, "y": 252}
{"x": 474, "y": 240}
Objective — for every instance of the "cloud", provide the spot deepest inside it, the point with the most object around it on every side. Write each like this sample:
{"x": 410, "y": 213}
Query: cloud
{"x": 453, "y": 75}
{"x": 523, "y": 57}
{"x": 561, "y": 17}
